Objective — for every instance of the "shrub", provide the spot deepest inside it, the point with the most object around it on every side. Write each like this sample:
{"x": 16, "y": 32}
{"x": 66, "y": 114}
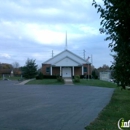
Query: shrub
{"x": 60, "y": 79}
{"x": 82, "y": 76}
{"x": 41, "y": 76}
{"x": 37, "y": 77}
{"x": 77, "y": 78}
{"x": 49, "y": 76}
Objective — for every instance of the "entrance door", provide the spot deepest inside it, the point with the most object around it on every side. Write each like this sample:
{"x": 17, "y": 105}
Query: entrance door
{"x": 66, "y": 72}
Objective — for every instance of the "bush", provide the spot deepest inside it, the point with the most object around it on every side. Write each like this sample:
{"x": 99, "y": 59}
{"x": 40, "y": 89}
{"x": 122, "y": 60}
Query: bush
{"x": 37, "y": 77}
{"x": 82, "y": 76}
{"x": 49, "y": 77}
{"x": 41, "y": 76}
{"x": 77, "y": 78}
{"x": 60, "y": 79}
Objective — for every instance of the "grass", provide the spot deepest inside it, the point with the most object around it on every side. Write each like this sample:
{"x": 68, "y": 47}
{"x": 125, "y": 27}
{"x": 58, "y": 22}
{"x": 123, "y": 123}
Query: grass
{"x": 11, "y": 78}
{"x": 119, "y": 107}
{"x": 14, "y": 78}
{"x": 46, "y": 82}
{"x": 93, "y": 82}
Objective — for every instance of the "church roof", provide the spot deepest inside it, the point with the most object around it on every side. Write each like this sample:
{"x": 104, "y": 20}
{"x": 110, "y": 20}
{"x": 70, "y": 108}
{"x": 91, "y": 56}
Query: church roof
{"x": 66, "y": 54}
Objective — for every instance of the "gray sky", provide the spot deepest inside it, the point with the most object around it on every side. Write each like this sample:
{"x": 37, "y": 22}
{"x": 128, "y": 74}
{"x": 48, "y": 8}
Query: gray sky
{"x": 33, "y": 28}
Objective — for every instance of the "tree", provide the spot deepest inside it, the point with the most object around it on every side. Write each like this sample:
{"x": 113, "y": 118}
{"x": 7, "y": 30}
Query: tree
{"x": 103, "y": 68}
{"x": 95, "y": 74}
{"x": 92, "y": 67}
{"x": 15, "y": 65}
{"x": 30, "y": 69}
{"x": 115, "y": 15}
{"x": 16, "y": 68}
{"x": 5, "y": 68}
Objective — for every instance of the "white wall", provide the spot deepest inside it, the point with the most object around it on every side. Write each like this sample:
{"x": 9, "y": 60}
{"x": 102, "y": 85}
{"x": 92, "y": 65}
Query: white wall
{"x": 63, "y": 55}
{"x": 67, "y": 62}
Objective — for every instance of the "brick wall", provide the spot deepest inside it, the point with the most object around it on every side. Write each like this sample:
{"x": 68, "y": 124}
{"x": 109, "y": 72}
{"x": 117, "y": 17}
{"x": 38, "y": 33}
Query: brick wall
{"x": 77, "y": 70}
{"x": 44, "y": 66}
{"x": 55, "y": 70}
{"x": 88, "y": 69}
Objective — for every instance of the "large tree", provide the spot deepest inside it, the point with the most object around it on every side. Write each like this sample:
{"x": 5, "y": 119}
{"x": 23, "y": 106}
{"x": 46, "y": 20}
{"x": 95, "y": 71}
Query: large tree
{"x": 115, "y": 22}
{"x": 30, "y": 69}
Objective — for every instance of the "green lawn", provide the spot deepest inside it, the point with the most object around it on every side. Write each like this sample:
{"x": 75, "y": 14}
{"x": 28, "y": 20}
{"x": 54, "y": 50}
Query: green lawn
{"x": 119, "y": 107}
{"x": 14, "y": 78}
{"x": 11, "y": 78}
{"x": 92, "y": 82}
{"x": 46, "y": 82}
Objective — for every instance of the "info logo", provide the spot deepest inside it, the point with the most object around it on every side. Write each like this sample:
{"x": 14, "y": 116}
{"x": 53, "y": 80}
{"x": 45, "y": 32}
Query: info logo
{"x": 122, "y": 124}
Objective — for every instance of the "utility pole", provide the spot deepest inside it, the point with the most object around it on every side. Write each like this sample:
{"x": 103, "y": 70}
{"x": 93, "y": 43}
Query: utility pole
{"x": 91, "y": 59}
{"x": 91, "y": 64}
{"x": 88, "y": 66}
{"x": 84, "y": 53}
{"x": 52, "y": 53}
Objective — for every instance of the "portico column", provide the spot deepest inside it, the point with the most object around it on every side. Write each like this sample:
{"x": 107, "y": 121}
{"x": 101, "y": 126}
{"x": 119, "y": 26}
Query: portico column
{"x": 73, "y": 70}
{"x": 82, "y": 70}
{"x": 51, "y": 70}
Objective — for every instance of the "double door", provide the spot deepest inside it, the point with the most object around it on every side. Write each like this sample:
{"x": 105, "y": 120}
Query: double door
{"x": 66, "y": 72}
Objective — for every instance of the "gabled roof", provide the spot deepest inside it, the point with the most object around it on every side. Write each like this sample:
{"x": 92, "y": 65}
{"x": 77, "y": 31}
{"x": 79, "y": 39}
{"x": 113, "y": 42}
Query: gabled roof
{"x": 62, "y": 55}
{"x": 67, "y": 57}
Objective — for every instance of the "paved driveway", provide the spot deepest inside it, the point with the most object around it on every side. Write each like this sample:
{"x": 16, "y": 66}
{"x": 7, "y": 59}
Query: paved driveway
{"x": 38, "y": 107}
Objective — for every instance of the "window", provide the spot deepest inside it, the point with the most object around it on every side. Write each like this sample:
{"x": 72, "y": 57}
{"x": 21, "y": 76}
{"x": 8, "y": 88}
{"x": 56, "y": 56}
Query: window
{"x": 85, "y": 69}
{"x": 48, "y": 70}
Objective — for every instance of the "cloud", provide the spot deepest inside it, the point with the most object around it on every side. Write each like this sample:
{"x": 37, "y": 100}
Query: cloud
{"x": 5, "y": 55}
{"x": 43, "y": 35}
{"x": 43, "y": 11}
{"x": 32, "y": 29}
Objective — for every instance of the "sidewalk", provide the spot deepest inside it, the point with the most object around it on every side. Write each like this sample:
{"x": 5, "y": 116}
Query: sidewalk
{"x": 25, "y": 81}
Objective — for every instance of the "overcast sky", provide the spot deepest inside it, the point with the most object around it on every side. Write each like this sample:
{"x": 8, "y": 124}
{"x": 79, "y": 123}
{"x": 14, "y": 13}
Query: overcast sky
{"x": 33, "y": 28}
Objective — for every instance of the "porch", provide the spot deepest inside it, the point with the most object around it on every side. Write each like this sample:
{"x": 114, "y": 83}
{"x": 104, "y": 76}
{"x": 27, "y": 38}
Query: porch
{"x": 67, "y": 71}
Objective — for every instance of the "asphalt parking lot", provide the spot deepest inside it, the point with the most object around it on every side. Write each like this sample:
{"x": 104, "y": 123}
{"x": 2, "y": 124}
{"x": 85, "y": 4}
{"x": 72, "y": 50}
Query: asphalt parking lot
{"x": 53, "y": 107}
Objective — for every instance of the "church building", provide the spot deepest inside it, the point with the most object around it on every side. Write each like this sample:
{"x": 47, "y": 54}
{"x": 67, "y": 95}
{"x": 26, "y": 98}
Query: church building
{"x": 66, "y": 64}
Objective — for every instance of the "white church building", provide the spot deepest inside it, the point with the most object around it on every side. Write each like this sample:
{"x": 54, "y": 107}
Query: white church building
{"x": 66, "y": 64}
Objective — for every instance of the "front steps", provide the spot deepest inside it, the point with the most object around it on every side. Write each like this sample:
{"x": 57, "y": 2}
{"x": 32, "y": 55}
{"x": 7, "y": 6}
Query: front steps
{"x": 68, "y": 81}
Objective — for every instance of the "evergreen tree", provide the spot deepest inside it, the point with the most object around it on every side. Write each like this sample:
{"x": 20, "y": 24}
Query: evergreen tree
{"x": 115, "y": 15}
{"x": 30, "y": 69}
